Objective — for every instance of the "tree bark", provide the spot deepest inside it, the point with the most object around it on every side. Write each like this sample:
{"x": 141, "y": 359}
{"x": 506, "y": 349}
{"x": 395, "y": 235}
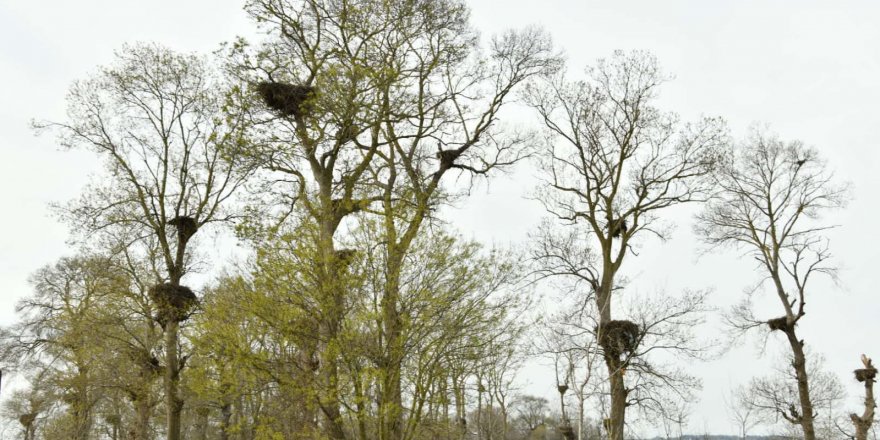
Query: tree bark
{"x": 173, "y": 402}
{"x": 863, "y": 423}
{"x": 142, "y": 410}
{"x": 225, "y": 420}
{"x": 800, "y": 368}
{"x": 392, "y": 397}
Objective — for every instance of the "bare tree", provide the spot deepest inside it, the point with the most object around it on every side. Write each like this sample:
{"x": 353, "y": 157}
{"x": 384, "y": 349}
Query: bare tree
{"x": 613, "y": 164}
{"x": 778, "y": 395}
{"x": 770, "y": 196}
{"x": 742, "y": 411}
{"x": 155, "y": 118}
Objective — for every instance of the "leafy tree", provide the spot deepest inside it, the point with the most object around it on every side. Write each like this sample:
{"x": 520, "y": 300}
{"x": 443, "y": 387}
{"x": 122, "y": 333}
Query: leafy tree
{"x": 157, "y": 120}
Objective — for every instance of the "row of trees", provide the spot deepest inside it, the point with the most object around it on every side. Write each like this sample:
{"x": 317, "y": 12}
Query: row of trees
{"x": 358, "y": 313}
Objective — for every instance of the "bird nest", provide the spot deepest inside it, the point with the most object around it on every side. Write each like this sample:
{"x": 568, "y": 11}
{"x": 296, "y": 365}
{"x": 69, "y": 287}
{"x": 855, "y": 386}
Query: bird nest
{"x": 27, "y": 419}
{"x": 780, "y": 323}
{"x": 618, "y": 337}
{"x": 617, "y": 227}
{"x": 174, "y": 303}
{"x": 287, "y": 99}
{"x": 863, "y": 374}
{"x": 186, "y": 226}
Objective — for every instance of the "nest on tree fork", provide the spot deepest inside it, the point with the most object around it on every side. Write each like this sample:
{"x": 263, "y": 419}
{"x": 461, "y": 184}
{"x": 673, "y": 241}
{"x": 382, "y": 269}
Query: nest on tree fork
{"x": 863, "y": 374}
{"x": 448, "y": 157}
{"x": 186, "y": 226}
{"x": 617, "y": 227}
{"x": 27, "y": 419}
{"x": 174, "y": 303}
{"x": 778, "y": 324}
{"x": 287, "y": 99}
{"x": 618, "y": 337}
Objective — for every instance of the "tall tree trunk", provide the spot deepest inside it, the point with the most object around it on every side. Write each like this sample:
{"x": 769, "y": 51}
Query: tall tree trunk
{"x": 173, "y": 402}
{"x": 225, "y": 420}
{"x": 142, "y": 409}
{"x": 617, "y": 416}
{"x": 618, "y": 402}
{"x": 863, "y": 423}
{"x": 329, "y": 329}
{"x": 202, "y": 423}
{"x": 391, "y": 406}
{"x": 800, "y": 369}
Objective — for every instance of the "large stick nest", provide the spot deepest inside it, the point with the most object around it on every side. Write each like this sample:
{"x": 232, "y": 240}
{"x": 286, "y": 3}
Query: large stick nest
{"x": 780, "y": 323}
{"x": 863, "y": 374}
{"x": 174, "y": 303}
{"x": 186, "y": 226}
{"x": 287, "y": 99}
{"x": 617, "y": 227}
{"x": 27, "y": 419}
{"x": 618, "y": 337}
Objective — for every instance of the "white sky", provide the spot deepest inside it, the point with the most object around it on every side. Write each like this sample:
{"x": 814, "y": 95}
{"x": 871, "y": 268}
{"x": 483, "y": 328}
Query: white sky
{"x": 808, "y": 68}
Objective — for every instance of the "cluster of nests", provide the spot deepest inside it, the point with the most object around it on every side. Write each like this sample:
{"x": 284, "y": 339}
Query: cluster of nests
{"x": 174, "y": 303}
{"x": 619, "y": 337}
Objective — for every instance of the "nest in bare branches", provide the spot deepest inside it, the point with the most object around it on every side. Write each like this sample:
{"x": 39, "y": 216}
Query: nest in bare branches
{"x": 562, "y": 389}
{"x": 287, "y": 99}
{"x": 863, "y": 374}
{"x": 778, "y": 324}
{"x": 27, "y": 419}
{"x": 618, "y": 337}
{"x": 617, "y": 227}
{"x": 186, "y": 226}
{"x": 174, "y": 303}
{"x": 447, "y": 158}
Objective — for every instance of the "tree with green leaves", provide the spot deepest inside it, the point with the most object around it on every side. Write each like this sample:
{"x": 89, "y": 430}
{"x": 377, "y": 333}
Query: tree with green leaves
{"x": 369, "y": 105}
{"x": 158, "y": 122}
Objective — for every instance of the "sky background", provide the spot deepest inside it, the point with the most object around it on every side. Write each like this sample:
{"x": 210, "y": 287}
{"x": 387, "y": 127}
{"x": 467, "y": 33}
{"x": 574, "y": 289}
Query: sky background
{"x": 808, "y": 69}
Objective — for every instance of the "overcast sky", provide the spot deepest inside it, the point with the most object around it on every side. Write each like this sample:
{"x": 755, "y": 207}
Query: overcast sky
{"x": 809, "y": 69}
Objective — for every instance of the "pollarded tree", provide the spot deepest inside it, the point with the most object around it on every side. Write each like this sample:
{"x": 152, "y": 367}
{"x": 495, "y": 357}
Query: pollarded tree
{"x": 770, "y": 196}
{"x": 863, "y": 422}
{"x": 157, "y": 121}
{"x": 614, "y": 163}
